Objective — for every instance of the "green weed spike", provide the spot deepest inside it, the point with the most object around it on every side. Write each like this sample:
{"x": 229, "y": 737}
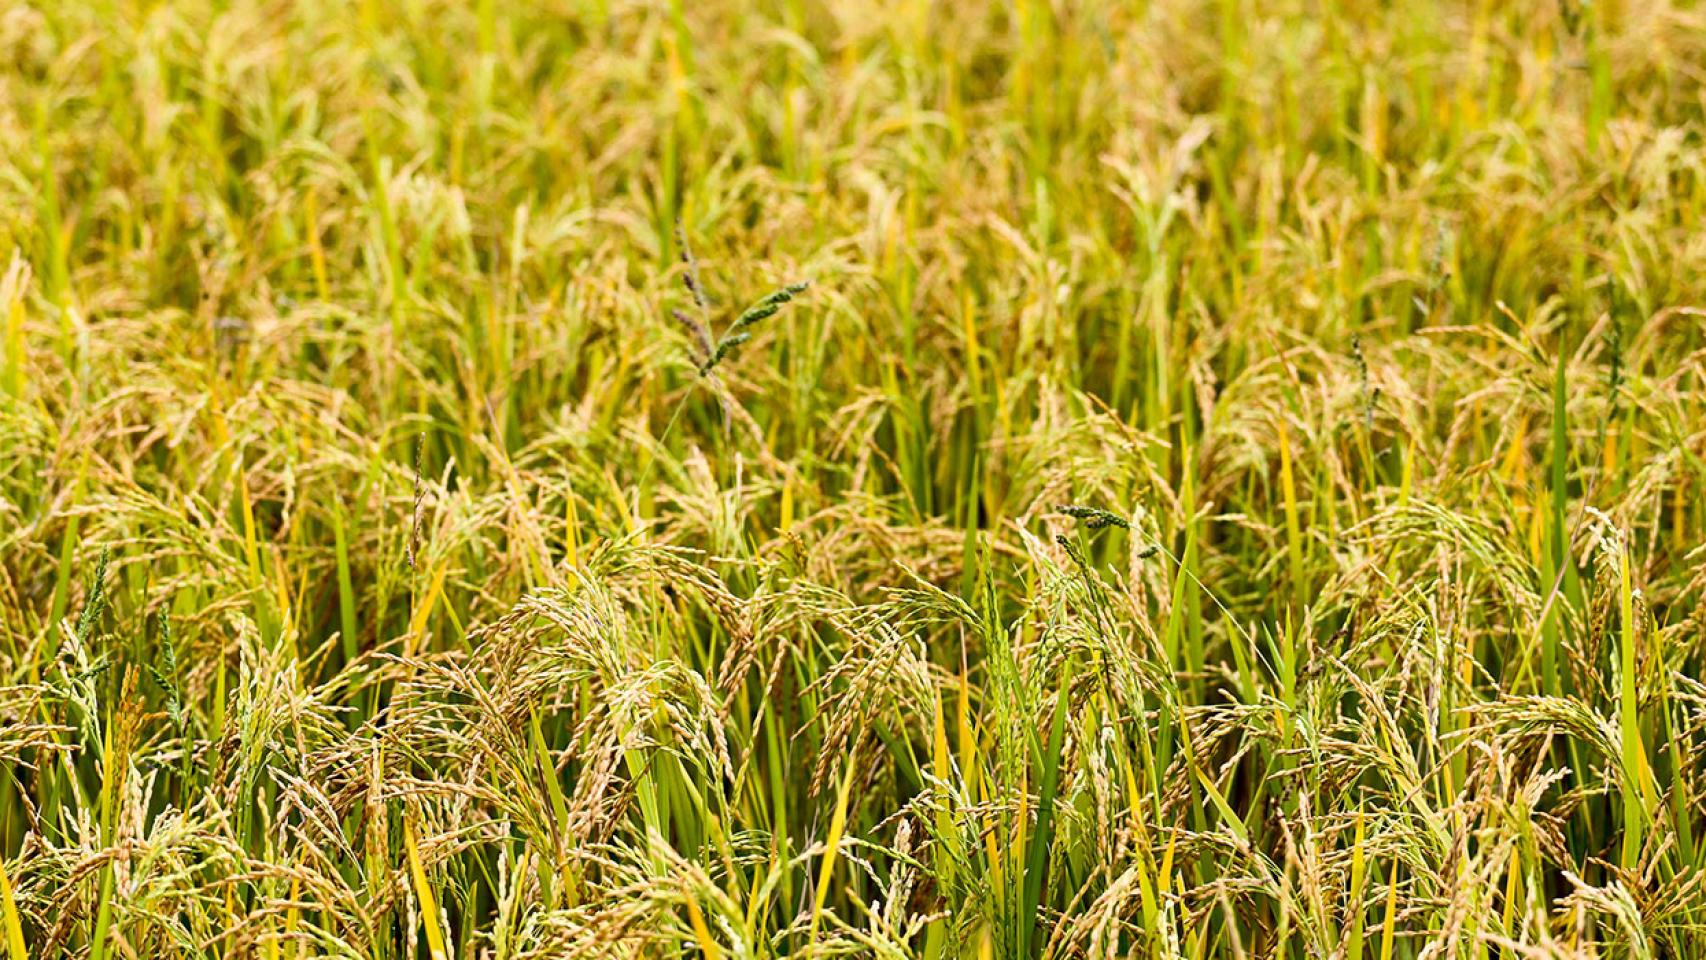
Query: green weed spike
{"x": 1094, "y": 518}
{"x": 95, "y": 603}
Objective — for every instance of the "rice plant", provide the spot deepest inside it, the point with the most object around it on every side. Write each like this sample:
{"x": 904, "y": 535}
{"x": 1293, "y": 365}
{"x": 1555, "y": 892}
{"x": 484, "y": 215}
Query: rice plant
{"x": 1231, "y": 488}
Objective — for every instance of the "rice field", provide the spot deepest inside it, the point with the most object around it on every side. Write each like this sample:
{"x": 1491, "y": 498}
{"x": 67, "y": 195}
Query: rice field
{"x": 852, "y": 478}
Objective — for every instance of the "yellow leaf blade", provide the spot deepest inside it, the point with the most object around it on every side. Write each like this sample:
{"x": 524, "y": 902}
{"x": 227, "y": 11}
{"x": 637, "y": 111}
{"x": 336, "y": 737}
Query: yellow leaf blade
{"x": 423, "y": 893}
{"x": 9, "y": 915}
